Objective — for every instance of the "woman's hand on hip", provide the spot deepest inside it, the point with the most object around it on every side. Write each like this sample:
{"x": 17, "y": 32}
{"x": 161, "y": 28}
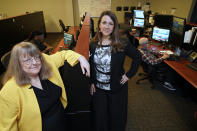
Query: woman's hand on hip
{"x": 92, "y": 89}
{"x": 85, "y": 66}
{"x": 124, "y": 79}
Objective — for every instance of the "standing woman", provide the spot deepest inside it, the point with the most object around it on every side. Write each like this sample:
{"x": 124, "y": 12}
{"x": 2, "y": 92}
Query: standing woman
{"x": 33, "y": 97}
{"x": 109, "y": 81}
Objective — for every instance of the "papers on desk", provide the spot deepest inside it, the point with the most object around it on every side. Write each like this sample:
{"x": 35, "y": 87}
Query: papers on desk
{"x": 191, "y": 36}
{"x": 167, "y": 51}
{"x": 187, "y": 37}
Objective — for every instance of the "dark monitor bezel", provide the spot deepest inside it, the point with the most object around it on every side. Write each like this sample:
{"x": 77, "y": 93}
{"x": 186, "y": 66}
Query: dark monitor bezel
{"x": 163, "y": 21}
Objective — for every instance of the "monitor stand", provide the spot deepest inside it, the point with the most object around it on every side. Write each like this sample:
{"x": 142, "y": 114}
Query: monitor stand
{"x": 169, "y": 46}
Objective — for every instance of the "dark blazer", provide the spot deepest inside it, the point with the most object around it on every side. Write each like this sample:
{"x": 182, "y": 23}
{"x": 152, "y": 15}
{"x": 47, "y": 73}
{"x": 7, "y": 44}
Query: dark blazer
{"x": 117, "y": 62}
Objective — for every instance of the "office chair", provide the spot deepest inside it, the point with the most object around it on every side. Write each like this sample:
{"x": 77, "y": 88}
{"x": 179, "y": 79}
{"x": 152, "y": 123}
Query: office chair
{"x": 77, "y": 34}
{"x": 64, "y": 28}
{"x": 132, "y": 39}
{"x": 145, "y": 74}
{"x": 5, "y": 59}
{"x": 152, "y": 73}
{"x": 149, "y": 74}
{"x": 73, "y": 43}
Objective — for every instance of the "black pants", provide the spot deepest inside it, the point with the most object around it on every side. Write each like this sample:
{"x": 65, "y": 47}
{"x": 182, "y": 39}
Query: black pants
{"x": 110, "y": 110}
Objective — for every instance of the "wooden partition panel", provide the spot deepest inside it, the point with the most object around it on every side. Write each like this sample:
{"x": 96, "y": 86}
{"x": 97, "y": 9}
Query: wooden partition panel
{"x": 82, "y": 46}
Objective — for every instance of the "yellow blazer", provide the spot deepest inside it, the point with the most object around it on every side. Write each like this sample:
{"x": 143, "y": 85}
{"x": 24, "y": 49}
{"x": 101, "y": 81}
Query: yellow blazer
{"x": 19, "y": 109}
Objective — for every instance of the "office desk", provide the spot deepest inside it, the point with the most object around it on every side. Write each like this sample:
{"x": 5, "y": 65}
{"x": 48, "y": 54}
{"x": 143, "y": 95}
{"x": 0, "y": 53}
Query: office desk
{"x": 61, "y": 44}
{"x": 181, "y": 68}
{"x": 133, "y": 34}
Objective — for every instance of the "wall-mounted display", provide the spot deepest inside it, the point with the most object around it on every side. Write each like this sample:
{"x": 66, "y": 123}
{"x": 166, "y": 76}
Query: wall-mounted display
{"x": 126, "y": 8}
{"x": 118, "y": 8}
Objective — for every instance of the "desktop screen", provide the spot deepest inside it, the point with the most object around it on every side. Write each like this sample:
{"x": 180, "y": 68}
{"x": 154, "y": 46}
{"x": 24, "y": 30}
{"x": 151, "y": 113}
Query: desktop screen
{"x": 68, "y": 38}
{"x": 177, "y": 33}
{"x": 138, "y": 13}
{"x": 160, "y": 34}
{"x": 178, "y": 24}
{"x": 138, "y": 22}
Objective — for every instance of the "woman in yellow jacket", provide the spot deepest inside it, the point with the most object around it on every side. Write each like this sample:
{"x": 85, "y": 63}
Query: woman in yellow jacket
{"x": 33, "y": 97}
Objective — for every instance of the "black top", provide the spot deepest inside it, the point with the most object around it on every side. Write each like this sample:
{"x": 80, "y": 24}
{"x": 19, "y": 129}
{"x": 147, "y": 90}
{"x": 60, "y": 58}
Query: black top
{"x": 117, "y": 64}
{"x": 50, "y": 105}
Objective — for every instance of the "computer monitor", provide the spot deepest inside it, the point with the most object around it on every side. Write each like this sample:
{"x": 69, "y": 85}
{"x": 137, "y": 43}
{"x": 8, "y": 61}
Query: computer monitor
{"x": 138, "y": 22}
{"x": 139, "y": 14}
{"x": 178, "y": 25}
{"x": 163, "y": 21}
{"x": 68, "y": 38}
{"x": 126, "y": 8}
{"x": 160, "y": 34}
{"x": 177, "y": 32}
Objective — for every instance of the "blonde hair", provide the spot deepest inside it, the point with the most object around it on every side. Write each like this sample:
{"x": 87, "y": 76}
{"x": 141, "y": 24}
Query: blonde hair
{"x": 15, "y": 69}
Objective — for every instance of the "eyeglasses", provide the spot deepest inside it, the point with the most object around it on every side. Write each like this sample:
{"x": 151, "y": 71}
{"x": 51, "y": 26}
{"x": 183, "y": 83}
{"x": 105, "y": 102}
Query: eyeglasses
{"x": 30, "y": 60}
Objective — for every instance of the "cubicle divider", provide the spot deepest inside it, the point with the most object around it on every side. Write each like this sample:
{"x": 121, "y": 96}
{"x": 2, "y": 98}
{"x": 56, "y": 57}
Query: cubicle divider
{"x": 16, "y": 29}
{"x": 82, "y": 46}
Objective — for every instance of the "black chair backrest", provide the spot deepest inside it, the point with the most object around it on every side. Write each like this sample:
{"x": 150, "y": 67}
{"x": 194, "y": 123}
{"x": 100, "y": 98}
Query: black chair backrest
{"x": 64, "y": 28}
{"x": 132, "y": 39}
{"x": 77, "y": 34}
{"x": 5, "y": 59}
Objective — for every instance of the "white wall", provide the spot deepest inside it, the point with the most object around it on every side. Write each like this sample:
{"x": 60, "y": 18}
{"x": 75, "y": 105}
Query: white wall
{"x": 53, "y": 11}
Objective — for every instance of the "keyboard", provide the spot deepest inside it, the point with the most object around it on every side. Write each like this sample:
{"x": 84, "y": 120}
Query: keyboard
{"x": 167, "y": 51}
{"x": 156, "y": 43}
{"x": 192, "y": 66}
{"x": 173, "y": 58}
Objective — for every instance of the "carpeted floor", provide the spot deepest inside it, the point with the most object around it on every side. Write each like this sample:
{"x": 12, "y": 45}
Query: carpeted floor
{"x": 155, "y": 109}
{"x": 158, "y": 109}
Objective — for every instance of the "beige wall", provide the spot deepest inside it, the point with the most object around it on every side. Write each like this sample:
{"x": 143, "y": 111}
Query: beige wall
{"x": 122, "y": 3}
{"x": 160, "y": 6}
{"x": 53, "y": 11}
{"x": 76, "y": 13}
{"x": 164, "y": 6}
{"x": 63, "y": 9}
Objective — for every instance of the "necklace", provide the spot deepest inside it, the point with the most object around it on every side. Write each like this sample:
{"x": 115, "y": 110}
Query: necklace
{"x": 106, "y": 42}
